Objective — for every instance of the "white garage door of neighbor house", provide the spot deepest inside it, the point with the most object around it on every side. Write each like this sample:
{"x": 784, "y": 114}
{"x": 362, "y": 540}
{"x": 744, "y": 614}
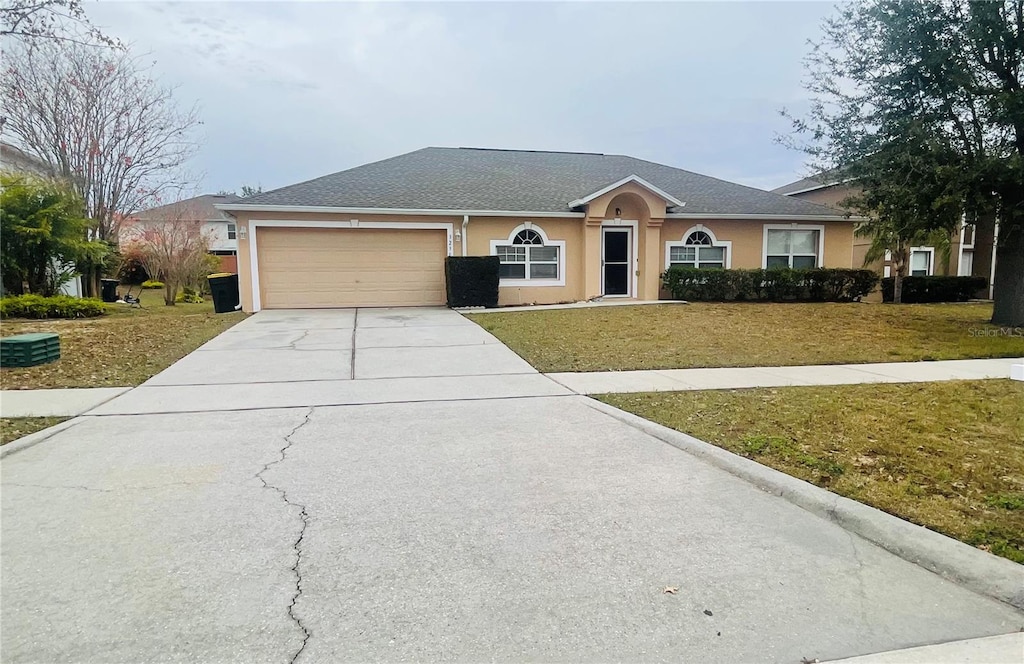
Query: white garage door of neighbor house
{"x": 341, "y": 267}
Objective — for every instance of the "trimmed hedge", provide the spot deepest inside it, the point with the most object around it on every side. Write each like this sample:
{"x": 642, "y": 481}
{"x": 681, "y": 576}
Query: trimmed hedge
{"x": 934, "y": 289}
{"x": 59, "y": 306}
{"x": 472, "y": 281}
{"x": 152, "y": 283}
{"x": 772, "y": 285}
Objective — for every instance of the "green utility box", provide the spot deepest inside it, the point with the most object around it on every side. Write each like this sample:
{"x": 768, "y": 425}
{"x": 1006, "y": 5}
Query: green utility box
{"x": 28, "y": 350}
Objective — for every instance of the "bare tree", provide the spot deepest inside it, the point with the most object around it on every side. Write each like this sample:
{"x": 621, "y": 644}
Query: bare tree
{"x": 171, "y": 244}
{"x": 101, "y": 121}
{"x": 33, "y": 21}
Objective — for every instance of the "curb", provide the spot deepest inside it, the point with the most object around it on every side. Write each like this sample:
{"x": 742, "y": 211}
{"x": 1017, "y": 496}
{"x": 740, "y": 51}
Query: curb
{"x": 32, "y": 439}
{"x": 961, "y": 563}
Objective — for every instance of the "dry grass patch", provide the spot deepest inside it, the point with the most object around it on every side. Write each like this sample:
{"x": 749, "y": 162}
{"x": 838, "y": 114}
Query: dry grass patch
{"x": 123, "y": 348}
{"x": 948, "y": 456}
{"x": 674, "y": 336}
{"x": 13, "y": 428}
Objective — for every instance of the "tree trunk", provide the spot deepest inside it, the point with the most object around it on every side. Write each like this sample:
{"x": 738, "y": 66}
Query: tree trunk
{"x": 170, "y": 293}
{"x": 900, "y": 258}
{"x": 91, "y": 282}
{"x": 1008, "y": 285}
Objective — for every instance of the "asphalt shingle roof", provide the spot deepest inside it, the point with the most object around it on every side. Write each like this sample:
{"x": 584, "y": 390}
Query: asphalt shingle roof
{"x": 201, "y": 206}
{"x": 519, "y": 180}
{"x": 813, "y": 182}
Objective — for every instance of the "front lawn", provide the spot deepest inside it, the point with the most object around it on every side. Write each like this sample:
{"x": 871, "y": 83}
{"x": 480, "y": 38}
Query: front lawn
{"x": 677, "y": 336}
{"x": 948, "y": 456}
{"x": 123, "y": 348}
{"x": 13, "y": 428}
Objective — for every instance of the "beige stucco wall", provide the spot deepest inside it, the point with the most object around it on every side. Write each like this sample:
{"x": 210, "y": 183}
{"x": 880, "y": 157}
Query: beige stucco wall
{"x": 630, "y": 202}
{"x": 482, "y": 230}
{"x": 830, "y": 196}
{"x": 747, "y": 239}
{"x": 583, "y": 239}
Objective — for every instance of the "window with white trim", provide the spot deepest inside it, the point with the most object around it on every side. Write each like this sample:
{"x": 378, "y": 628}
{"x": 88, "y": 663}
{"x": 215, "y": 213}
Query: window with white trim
{"x": 966, "y": 263}
{"x": 697, "y": 250}
{"x": 921, "y": 262}
{"x": 232, "y": 232}
{"x": 528, "y": 257}
{"x": 795, "y": 248}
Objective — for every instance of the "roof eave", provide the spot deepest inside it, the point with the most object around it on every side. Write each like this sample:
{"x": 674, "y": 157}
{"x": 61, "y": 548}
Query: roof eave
{"x": 795, "y": 218}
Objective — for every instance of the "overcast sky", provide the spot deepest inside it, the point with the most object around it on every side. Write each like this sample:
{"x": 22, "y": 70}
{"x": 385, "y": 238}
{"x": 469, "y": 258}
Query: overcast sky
{"x": 289, "y": 91}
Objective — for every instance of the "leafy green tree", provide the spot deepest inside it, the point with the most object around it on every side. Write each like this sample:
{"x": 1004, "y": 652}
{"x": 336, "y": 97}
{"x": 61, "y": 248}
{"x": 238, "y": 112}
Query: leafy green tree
{"x": 42, "y": 234}
{"x": 911, "y": 195}
{"x": 921, "y": 102}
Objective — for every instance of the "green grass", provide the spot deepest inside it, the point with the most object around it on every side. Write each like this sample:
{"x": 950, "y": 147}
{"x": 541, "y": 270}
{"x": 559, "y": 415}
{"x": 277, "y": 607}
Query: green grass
{"x": 13, "y": 428}
{"x": 748, "y": 334}
{"x": 948, "y": 456}
{"x": 123, "y": 348}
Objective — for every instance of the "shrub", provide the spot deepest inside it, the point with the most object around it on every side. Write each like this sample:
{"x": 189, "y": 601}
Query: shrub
{"x": 934, "y": 289}
{"x": 189, "y": 295}
{"x": 59, "y": 306}
{"x": 131, "y": 272}
{"x": 772, "y": 285}
{"x": 152, "y": 283}
{"x": 472, "y": 281}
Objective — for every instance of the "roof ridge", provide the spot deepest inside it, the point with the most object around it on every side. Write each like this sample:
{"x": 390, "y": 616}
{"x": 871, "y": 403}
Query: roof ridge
{"x": 464, "y": 147}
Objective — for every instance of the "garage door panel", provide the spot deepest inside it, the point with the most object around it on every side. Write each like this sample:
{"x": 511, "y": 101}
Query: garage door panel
{"x": 315, "y": 267}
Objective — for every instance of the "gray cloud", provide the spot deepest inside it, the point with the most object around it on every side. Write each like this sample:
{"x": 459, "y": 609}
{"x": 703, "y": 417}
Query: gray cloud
{"x": 291, "y": 91}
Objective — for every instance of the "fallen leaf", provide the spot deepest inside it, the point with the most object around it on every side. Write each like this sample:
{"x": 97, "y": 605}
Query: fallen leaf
{"x": 708, "y": 613}
{"x": 671, "y": 590}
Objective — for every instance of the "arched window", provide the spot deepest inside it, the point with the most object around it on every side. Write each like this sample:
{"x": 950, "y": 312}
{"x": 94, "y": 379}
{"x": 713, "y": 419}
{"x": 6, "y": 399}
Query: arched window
{"x": 527, "y": 255}
{"x": 699, "y": 239}
{"x": 527, "y": 236}
{"x": 699, "y": 248}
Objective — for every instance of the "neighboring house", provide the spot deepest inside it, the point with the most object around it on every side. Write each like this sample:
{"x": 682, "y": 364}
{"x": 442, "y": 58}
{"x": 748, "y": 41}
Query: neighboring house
{"x": 15, "y": 160}
{"x": 972, "y": 247}
{"x": 217, "y": 225}
{"x": 566, "y": 226}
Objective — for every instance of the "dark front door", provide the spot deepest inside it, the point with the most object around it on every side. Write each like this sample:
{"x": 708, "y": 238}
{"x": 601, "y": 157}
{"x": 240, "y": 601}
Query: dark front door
{"x": 615, "y": 261}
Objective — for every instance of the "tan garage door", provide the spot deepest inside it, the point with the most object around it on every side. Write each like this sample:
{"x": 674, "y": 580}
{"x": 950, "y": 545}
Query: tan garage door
{"x": 341, "y": 267}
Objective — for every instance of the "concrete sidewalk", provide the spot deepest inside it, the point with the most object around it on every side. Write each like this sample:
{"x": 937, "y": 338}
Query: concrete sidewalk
{"x": 989, "y": 650}
{"x": 55, "y": 403}
{"x": 728, "y": 378}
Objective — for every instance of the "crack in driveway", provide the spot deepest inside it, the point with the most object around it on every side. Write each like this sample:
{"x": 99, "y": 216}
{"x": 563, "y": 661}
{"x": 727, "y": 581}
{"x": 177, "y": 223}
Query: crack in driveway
{"x": 297, "y": 544}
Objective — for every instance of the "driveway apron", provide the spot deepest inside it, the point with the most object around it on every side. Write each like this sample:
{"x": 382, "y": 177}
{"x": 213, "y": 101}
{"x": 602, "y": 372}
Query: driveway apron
{"x": 389, "y": 485}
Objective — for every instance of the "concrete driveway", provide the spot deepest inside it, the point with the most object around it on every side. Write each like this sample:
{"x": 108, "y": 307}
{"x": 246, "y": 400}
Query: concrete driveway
{"x": 386, "y": 485}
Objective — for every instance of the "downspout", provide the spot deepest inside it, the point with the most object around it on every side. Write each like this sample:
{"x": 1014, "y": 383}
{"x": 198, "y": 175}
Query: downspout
{"x": 465, "y": 225}
{"x": 992, "y": 272}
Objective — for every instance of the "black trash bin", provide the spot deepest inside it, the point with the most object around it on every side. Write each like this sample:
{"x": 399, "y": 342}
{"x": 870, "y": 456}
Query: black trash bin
{"x": 108, "y": 289}
{"x": 224, "y": 290}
